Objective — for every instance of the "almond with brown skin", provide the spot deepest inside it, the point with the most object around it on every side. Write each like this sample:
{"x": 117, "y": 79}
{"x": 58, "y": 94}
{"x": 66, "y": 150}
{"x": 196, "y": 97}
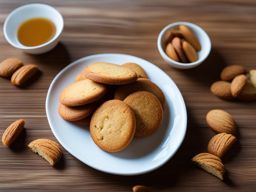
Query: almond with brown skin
{"x": 141, "y": 188}
{"x": 9, "y": 66}
{"x": 210, "y": 163}
{"x": 189, "y": 51}
{"x": 24, "y": 74}
{"x": 220, "y": 144}
{"x": 170, "y": 51}
{"x": 248, "y": 93}
{"x": 12, "y": 132}
{"x": 176, "y": 42}
{"x": 238, "y": 84}
{"x": 190, "y": 36}
{"x": 170, "y": 35}
{"x": 221, "y": 121}
{"x": 231, "y": 71}
{"x": 47, "y": 149}
{"x": 222, "y": 89}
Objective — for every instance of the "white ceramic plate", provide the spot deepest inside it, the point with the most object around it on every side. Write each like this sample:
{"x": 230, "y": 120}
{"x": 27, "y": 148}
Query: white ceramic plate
{"x": 142, "y": 155}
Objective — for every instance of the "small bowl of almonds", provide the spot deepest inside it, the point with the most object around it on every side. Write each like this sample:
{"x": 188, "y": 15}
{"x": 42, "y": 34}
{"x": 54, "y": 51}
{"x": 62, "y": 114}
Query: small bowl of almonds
{"x": 183, "y": 45}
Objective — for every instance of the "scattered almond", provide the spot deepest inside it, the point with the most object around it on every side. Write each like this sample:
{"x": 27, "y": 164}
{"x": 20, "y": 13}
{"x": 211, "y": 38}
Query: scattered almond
{"x": 9, "y": 66}
{"x": 24, "y": 74}
{"x": 189, "y": 51}
{"x": 47, "y": 149}
{"x": 12, "y": 132}
{"x": 170, "y": 51}
{"x": 189, "y": 35}
{"x": 176, "y": 42}
{"x": 231, "y": 71}
{"x": 210, "y": 163}
{"x": 221, "y": 121}
{"x": 222, "y": 89}
{"x": 238, "y": 84}
{"x": 141, "y": 188}
{"x": 220, "y": 144}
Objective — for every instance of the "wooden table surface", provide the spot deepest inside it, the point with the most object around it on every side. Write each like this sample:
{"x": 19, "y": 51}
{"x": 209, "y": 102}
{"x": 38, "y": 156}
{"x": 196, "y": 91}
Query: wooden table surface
{"x": 131, "y": 27}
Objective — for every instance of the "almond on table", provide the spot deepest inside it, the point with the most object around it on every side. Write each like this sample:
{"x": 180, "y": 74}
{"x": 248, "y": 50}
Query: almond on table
{"x": 221, "y": 143}
{"x": 12, "y": 132}
{"x": 222, "y": 89}
{"x": 24, "y": 74}
{"x": 47, "y": 149}
{"x": 210, "y": 163}
{"x": 221, "y": 121}
{"x": 231, "y": 71}
{"x": 238, "y": 84}
{"x": 9, "y": 66}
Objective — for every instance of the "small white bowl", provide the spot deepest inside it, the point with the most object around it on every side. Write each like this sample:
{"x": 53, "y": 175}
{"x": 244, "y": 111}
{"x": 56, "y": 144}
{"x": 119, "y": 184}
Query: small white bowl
{"x": 26, "y": 12}
{"x": 202, "y": 37}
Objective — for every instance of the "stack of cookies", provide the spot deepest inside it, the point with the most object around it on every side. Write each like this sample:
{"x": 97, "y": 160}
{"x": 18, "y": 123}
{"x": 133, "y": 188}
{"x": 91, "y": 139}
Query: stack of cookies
{"x": 120, "y": 101}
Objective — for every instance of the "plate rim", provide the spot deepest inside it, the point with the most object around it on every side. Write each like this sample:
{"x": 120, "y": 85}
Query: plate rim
{"x": 92, "y": 166}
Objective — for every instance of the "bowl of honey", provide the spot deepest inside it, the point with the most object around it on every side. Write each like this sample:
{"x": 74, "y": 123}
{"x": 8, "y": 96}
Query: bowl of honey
{"x": 34, "y": 28}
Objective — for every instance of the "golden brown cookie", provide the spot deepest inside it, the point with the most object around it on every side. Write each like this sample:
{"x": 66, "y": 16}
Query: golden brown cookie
{"x": 80, "y": 76}
{"x": 137, "y": 69}
{"x": 148, "y": 111}
{"x": 140, "y": 85}
{"x": 75, "y": 113}
{"x": 113, "y": 125}
{"x": 82, "y": 92}
{"x": 111, "y": 74}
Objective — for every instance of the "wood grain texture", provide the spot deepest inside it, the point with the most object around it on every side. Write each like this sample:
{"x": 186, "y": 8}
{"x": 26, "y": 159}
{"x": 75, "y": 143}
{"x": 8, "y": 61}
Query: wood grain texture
{"x": 132, "y": 26}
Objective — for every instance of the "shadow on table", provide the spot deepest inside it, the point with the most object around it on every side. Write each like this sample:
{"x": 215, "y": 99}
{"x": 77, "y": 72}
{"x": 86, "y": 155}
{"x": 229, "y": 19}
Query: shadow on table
{"x": 55, "y": 59}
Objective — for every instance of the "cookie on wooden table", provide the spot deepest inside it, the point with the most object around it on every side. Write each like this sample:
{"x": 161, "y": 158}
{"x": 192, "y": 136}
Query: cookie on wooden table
{"x": 82, "y": 92}
{"x": 140, "y": 72}
{"x": 111, "y": 74}
{"x": 148, "y": 111}
{"x": 113, "y": 125}
{"x": 140, "y": 85}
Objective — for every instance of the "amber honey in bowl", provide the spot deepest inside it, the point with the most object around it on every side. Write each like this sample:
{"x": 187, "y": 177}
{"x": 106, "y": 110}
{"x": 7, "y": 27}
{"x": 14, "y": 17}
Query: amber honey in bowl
{"x": 36, "y": 31}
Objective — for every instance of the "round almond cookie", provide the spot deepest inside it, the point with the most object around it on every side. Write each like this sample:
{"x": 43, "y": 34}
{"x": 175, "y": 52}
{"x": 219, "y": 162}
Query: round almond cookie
{"x": 137, "y": 69}
{"x": 111, "y": 74}
{"x": 140, "y": 85}
{"x": 75, "y": 113}
{"x": 148, "y": 112}
{"x": 112, "y": 126}
{"x": 82, "y": 92}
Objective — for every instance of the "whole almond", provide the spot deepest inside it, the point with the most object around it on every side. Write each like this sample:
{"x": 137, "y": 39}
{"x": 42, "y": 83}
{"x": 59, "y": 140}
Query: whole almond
{"x": 170, "y": 51}
{"x": 169, "y": 35}
{"x": 12, "y": 132}
{"x": 248, "y": 93}
{"x": 231, "y": 71}
{"x": 210, "y": 163}
{"x": 221, "y": 121}
{"x": 238, "y": 84}
{"x": 222, "y": 89}
{"x": 190, "y": 36}
{"x": 48, "y": 149}
{"x": 252, "y": 77}
{"x": 9, "y": 66}
{"x": 176, "y": 42}
{"x": 141, "y": 188}
{"x": 189, "y": 51}
{"x": 24, "y": 74}
{"x": 220, "y": 144}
